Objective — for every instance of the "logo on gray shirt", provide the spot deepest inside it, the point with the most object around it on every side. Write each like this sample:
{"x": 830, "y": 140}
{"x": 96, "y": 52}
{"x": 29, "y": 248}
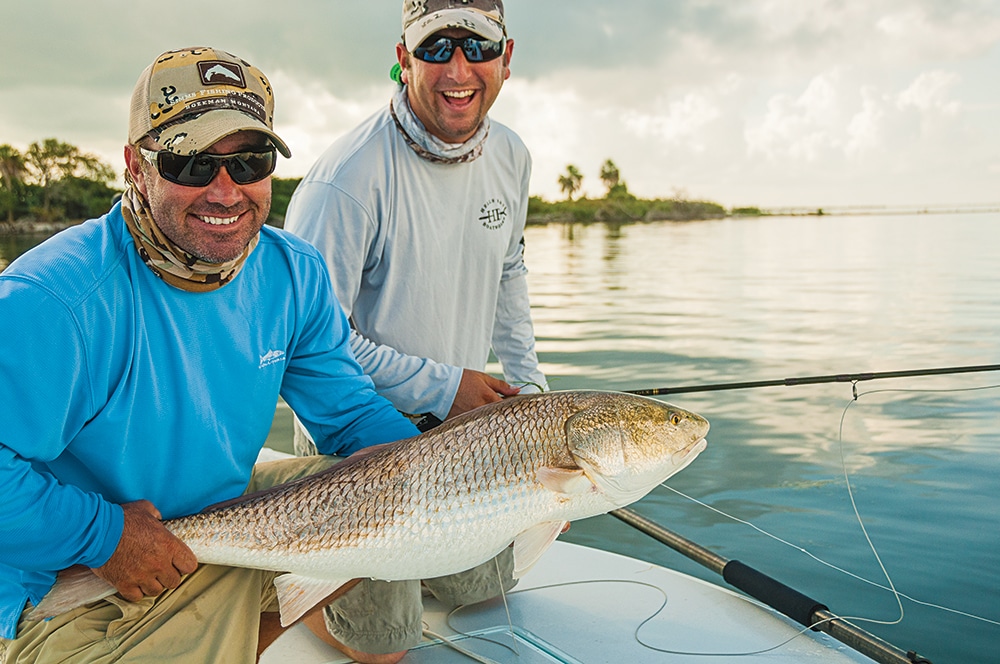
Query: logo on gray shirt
{"x": 493, "y": 214}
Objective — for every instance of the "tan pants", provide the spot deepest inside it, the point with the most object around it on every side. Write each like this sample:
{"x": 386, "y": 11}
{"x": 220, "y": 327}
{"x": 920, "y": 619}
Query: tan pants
{"x": 212, "y": 617}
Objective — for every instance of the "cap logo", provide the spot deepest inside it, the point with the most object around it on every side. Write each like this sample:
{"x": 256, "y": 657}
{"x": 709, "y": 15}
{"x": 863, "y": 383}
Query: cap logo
{"x": 218, "y": 72}
{"x": 247, "y": 102}
{"x": 170, "y": 95}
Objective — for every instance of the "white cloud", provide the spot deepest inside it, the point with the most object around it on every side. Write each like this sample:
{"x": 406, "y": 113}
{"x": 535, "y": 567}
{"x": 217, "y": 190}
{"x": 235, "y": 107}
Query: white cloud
{"x": 680, "y": 122}
{"x": 309, "y": 117}
{"x": 554, "y": 122}
{"x": 864, "y": 130}
{"x": 802, "y": 128}
{"x": 930, "y": 93}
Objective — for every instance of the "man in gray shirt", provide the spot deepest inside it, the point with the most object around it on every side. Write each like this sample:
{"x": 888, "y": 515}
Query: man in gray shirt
{"x": 420, "y": 214}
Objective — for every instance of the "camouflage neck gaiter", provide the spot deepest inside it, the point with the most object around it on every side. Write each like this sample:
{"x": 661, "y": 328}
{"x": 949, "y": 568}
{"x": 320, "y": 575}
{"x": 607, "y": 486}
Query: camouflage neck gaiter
{"x": 168, "y": 261}
{"x": 429, "y": 146}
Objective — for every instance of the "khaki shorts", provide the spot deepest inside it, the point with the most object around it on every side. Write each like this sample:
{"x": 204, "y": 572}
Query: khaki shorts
{"x": 213, "y": 616}
{"x": 386, "y": 616}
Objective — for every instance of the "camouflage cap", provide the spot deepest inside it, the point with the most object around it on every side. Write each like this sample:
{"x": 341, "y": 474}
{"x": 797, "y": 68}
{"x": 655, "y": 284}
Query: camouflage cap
{"x": 422, "y": 18}
{"x": 190, "y": 98}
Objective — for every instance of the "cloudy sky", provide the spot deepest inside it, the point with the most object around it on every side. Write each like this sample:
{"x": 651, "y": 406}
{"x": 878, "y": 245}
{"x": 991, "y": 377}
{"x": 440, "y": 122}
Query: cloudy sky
{"x": 815, "y": 103}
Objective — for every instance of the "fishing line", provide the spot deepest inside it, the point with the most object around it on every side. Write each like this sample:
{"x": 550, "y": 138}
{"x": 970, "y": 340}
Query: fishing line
{"x": 550, "y": 586}
{"x": 857, "y": 513}
{"x": 663, "y": 604}
{"x": 506, "y": 607}
{"x": 454, "y": 646}
{"x": 891, "y": 588}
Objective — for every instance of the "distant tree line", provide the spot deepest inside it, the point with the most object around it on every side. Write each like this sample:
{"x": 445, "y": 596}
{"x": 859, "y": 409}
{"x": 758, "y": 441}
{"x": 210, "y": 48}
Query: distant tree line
{"x": 53, "y": 181}
{"x": 618, "y": 204}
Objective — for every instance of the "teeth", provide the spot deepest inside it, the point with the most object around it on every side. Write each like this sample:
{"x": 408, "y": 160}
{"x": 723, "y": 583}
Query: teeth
{"x": 219, "y": 221}
{"x": 460, "y": 94}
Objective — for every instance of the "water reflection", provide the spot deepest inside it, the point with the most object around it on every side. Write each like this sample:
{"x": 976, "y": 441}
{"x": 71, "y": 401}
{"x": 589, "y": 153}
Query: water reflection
{"x": 4, "y": 260}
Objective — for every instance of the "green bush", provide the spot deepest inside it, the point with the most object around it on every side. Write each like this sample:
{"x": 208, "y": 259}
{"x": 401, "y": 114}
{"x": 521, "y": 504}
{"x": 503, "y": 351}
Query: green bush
{"x": 620, "y": 206}
{"x": 281, "y": 194}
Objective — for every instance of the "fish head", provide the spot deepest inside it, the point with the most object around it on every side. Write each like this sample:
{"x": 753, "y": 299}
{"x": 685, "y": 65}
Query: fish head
{"x": 626, "y": 444}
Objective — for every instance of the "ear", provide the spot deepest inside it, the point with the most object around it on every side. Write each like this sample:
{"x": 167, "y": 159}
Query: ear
{"x": 403, "y": 58}
{"x": 508, "y": 54}
{"x": 133, "y": 163}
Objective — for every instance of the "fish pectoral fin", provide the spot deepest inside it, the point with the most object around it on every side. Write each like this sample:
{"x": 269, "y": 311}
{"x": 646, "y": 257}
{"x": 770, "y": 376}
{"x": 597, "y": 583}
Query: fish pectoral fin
{"x": 74, "y": 586}
{"x": 297, "y": 594}
{"x": 564, "y": 480}
{"x": 532, "y": 543}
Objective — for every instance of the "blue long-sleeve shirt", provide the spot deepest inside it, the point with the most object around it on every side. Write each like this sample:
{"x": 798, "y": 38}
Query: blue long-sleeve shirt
{"x": 115, "y": 387}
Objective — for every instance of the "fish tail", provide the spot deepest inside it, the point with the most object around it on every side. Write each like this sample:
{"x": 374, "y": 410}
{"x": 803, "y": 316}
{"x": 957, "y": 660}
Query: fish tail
{"x": 74, "y": 587}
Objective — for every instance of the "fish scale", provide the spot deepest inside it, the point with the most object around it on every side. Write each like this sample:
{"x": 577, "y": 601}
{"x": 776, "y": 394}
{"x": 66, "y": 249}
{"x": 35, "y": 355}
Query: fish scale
{"x": 452, "y": 498}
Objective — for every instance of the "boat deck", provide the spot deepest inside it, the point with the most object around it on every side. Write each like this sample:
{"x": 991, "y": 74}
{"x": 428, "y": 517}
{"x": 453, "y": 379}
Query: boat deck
{"x": 583, "y": 605}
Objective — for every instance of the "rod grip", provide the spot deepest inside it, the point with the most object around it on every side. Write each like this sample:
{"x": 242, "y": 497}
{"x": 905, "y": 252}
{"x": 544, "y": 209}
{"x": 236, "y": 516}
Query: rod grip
{"x": 788, "y": 601}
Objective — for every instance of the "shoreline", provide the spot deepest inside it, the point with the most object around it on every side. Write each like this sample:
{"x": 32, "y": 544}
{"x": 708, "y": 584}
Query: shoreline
{"x": 604, "y": 214}
{"x": 26, "y": 227}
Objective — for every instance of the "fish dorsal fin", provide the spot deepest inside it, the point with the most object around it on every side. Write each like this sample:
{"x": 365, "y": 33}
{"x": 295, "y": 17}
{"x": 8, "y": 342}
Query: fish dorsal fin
{"x": 297, "y": 594}
{"x": 564, "y": 480}
{"x": 532, "y": 543}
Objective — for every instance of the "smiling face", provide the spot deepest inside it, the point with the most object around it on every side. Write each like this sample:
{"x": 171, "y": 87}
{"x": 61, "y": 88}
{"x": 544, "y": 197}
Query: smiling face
{"x": 216, "y": 222}
{"x": 451, "y": 99}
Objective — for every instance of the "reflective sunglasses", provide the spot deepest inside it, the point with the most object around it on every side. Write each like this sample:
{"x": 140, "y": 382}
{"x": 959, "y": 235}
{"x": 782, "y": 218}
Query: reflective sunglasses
{"x": 476, "y": 49}
{"x": 199, "y": 169}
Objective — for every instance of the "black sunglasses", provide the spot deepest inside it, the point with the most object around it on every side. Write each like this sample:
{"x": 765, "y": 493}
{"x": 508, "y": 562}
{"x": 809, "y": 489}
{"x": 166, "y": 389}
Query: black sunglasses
{"x": 199, "y": 169}
{"x": 476, "y": 49}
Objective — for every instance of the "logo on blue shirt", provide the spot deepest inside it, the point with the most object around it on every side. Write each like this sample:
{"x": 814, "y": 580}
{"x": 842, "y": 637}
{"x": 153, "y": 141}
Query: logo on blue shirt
{"x": 271, "y": 357}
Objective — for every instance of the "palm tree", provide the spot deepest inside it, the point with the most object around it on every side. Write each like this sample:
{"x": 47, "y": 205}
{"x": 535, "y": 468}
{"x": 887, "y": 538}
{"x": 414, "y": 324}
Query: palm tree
{"x": 610, "y": 175}
{"x": 571, "y": 182}
{"x": 12, "y": 172}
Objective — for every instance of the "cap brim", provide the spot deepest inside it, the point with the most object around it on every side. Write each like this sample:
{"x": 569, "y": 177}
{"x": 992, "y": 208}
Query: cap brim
{"x": 466, "y": 19}
{"x": 202, "y": 131}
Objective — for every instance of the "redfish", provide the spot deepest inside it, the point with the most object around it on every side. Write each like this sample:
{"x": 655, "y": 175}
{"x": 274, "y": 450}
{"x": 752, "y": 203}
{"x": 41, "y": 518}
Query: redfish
{"x": 442, "y": 502}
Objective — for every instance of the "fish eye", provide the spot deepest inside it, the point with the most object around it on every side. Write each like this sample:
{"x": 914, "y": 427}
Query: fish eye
{"x": 675, "y": 419}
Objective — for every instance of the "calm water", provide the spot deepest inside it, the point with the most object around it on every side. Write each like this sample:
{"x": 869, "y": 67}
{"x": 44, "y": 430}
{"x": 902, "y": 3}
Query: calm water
{"x": 665, "y": 304}
{"x": 644, "y": 306}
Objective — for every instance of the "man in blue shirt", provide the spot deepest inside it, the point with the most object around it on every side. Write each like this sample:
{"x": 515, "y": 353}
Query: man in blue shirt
{"x": 143, "y": 354}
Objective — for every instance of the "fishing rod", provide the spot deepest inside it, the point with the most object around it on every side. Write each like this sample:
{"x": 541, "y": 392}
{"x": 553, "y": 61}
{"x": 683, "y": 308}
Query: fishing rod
{"x": 775, "y": 594}
{"x": 815, "y": 380}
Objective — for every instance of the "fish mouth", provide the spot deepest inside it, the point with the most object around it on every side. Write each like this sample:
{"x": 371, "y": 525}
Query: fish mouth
{"x": 626, "y": 490}
{"x": 683, "y": 457}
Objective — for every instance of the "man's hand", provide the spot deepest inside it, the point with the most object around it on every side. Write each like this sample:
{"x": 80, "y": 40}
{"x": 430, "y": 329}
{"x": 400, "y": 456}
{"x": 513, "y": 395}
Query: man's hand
{"x": 478, "y": 389}
{"x": 149, "y": 558}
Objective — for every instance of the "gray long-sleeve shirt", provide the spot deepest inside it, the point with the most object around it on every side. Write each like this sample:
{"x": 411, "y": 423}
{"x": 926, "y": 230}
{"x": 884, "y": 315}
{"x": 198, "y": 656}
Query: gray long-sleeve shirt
{"x": 426, "y": 259}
